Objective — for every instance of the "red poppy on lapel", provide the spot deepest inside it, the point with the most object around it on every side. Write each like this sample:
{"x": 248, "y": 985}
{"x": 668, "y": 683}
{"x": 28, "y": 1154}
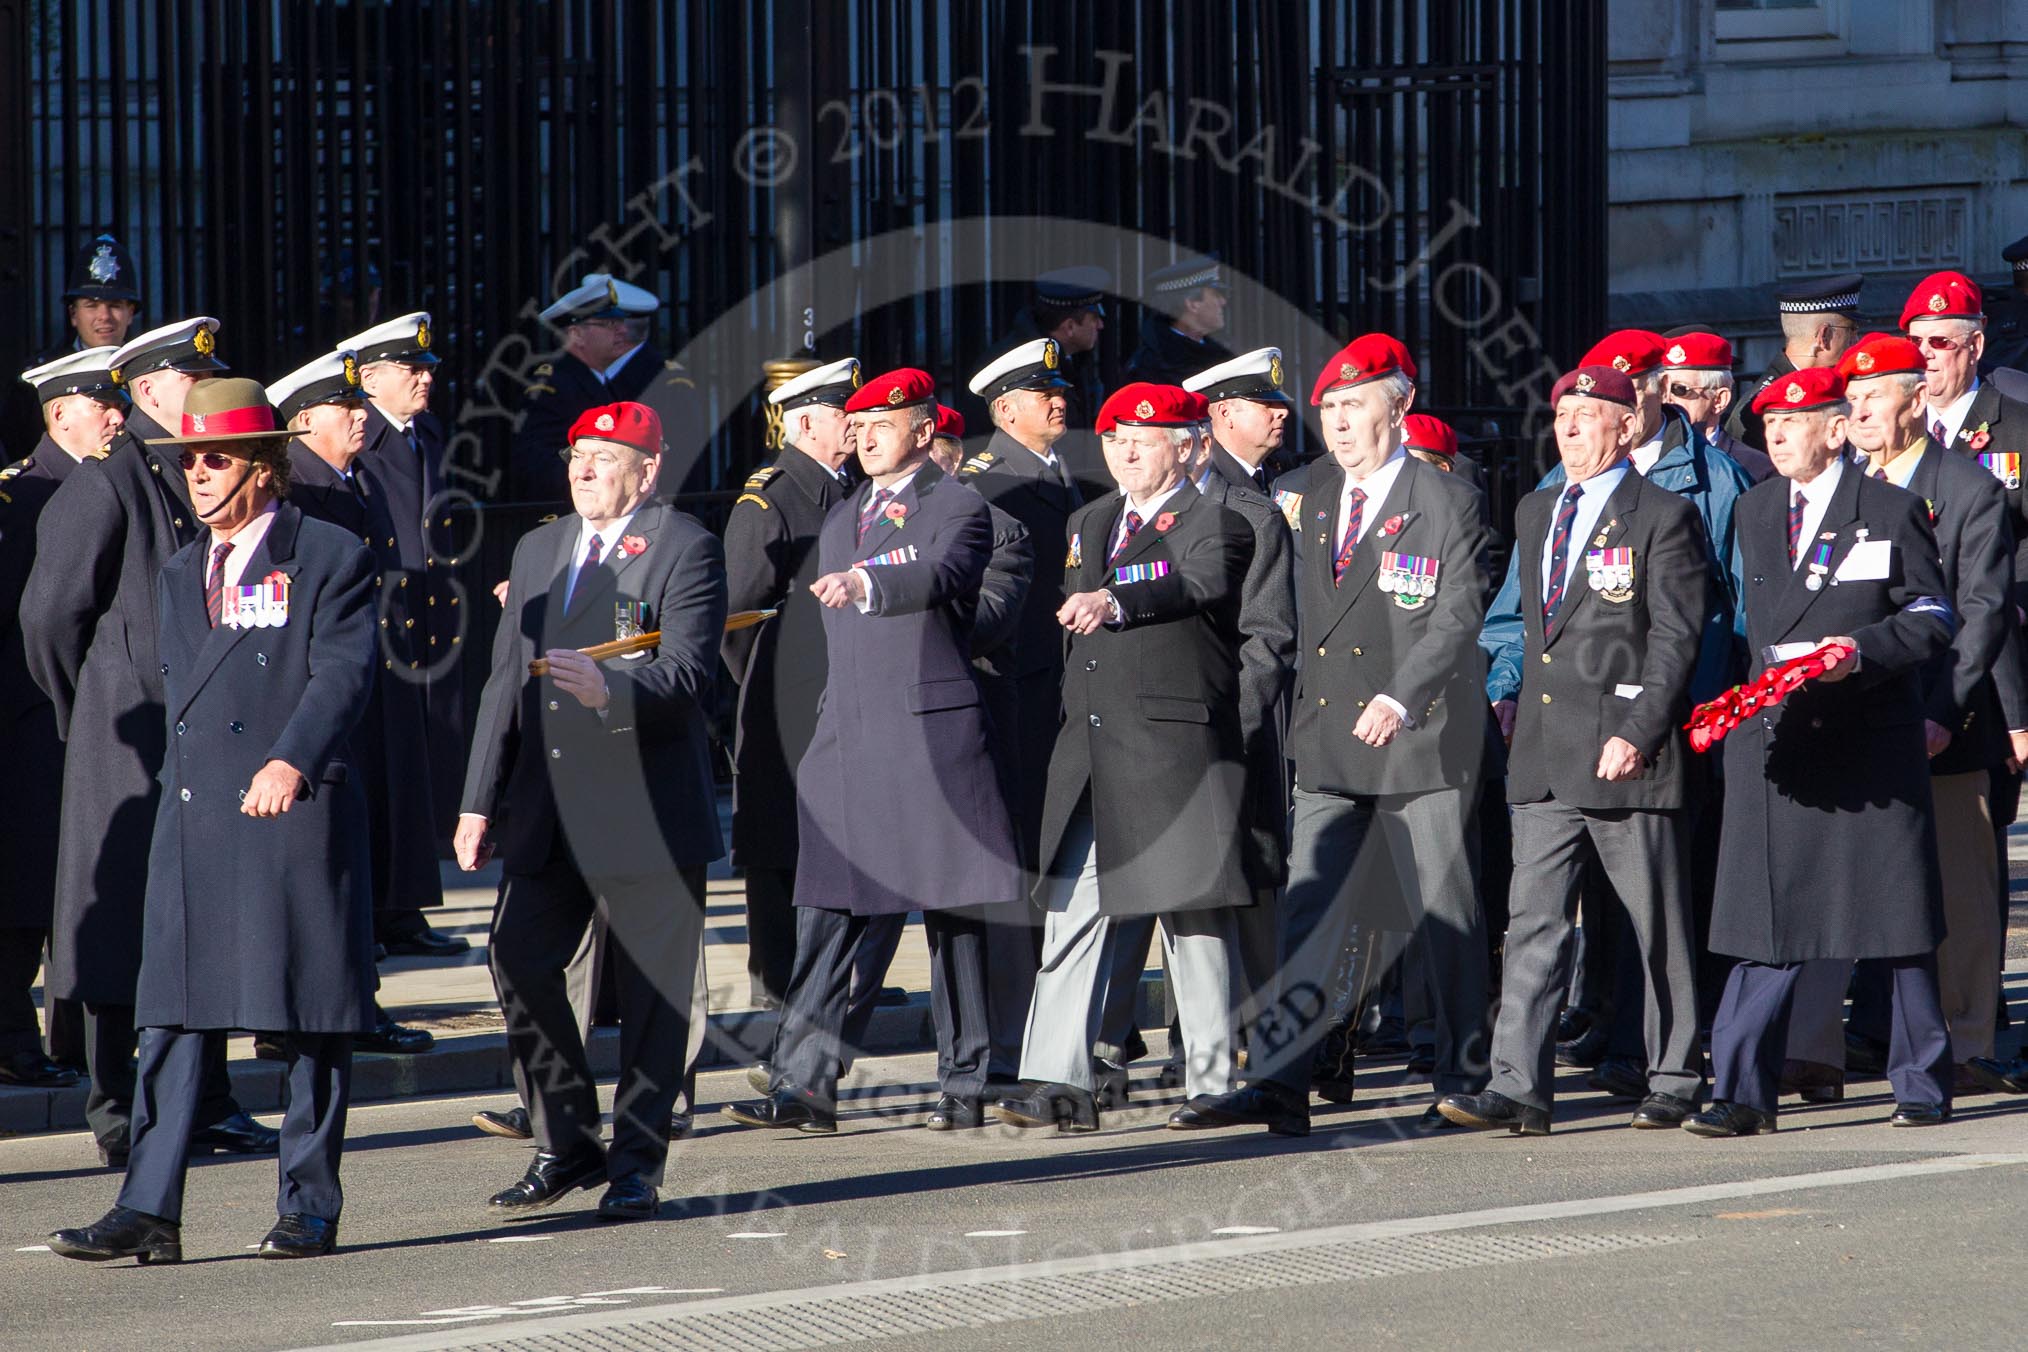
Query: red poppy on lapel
{"x": 1977, "y": 440}
{"x": 1165, "y": 520}
{"x": 1391, "y": 526}
{"x": 631, "y": 545}
{"x": 897, "y": 513}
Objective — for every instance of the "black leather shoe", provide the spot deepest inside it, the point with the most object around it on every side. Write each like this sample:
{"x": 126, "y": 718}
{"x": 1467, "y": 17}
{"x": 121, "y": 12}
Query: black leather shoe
{"x": 1263, "y": 1103}
{"x": 548, "y": 1180}
{"x": 113, "y": 1150}
{"x": 782, "y": 1109}
{"x": 1433, "y": 1120}
{"x": 1170, "y": 1076}
{"x": 1421, "y": 1061}
{"x": 393, "y": 1039}
{"x": 1920, "y": 1115}
{"x": 955, "y": 1114}
{"x": 512, "y": 1124}
{"x": 269, "y": 1047}
{"x": 1863, "y": 1055}
{"x": 1729, "y": 1119}
{"x": 2002, "y": 1077}
{"x": 1572, "y": 1024}
{"x": 629, "y": 1199}
{"x": 1585, "y": 1050}
{"x": 298, "y": 1236}
{"x": 1620, "y": 1078}
{"x": 1662, "y": 1110}
{"x": 33, "y": 1070}
{"x": 1133, "y": 1049}
{"x": 891, "y": 996}
{"x": 1492, "y": 1111}
{"x": 1051, "y": 1105}
{"x": 1109, "y": 1083}
{"x": 760, "y": 1077}
{"x": 237, "y": 1135}
{"x": 122, "y": 1233}
{"x": 425, "y": 943}
{"x": 680, "y": 1126}
{"x": 1813, "y": 1081}
{"x": 1331, "y": 1073}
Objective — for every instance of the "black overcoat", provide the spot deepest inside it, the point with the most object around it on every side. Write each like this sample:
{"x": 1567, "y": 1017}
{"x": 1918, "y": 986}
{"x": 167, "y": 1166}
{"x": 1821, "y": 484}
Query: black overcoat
{"x": 1151, "y": 726}
{"x": 1829, "y": 847}
{"x": 899, "y": 801}
{"x": 88, "y": 628}
{"x": 32, "y": 753}
{"x": 631, "y": 793}
{"x": 263, "y": 923}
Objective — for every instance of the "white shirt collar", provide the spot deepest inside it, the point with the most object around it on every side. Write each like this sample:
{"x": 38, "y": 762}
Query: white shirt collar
{"x": 1376, "y": 486}
{"x": 608, "y": 537}
{"x": 1953, "y": 415}
{"x": 893, "y": 490}
{"x": 398, "y": 424}
{"x": 625, "y": 357}
{"x": 1648, "y": 452}
{"x": 1148, "y": 509}
{"x": 245, "y": 541}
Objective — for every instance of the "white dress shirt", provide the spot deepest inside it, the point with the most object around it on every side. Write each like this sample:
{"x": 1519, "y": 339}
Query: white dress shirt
{"x": 1593, "y": 493}
{"x": 606, "y": 376}
{"x": 1816, "y": 496}
{"x": 1648, "y": 452}
{"x": 608, "y": 538}
{"x": 871, "y": 598}
{"x": 245, "y": 541}
{"x": 1953, "y": 416}
{"x": 1376, "y": 486}
{"x": 1147, "y": 511}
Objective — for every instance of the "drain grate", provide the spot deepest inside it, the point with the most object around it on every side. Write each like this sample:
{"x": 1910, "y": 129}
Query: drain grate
{"x": 788, "y": 1321}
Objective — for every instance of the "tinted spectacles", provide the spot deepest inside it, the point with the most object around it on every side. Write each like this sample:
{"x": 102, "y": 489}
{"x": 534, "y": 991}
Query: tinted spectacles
{"x": 603, "y": 459}
{"x": 215, "y": 461}
{"x": 1689, "y": 391}
{"x": 1937, "y": 342}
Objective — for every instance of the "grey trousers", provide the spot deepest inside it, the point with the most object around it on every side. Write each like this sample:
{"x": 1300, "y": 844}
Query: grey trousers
{"x": 1643, "y": 854}
{"x": 1425, "y": 840}
{"x": 588, "y": 969}
{"x": 1077, "y": 955}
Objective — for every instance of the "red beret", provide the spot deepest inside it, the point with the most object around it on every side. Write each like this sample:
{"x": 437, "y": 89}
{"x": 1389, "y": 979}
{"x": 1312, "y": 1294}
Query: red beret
{"x": 1880, "y": 354}
{"x": 896, "y": 389}
{"x": 1634, "y": 351}
{"x": 1427, "y": 433}
{"x": 950, "y": 422}
{"x": 1698, "y": 352}
{"x": 1197, "y": 406}
{"x": 1147, "y": 405}
{"x": 1943, "y": 295}
{"x": 1595, "y": 382}
{"x": 630, "y": 424}
{"x": 1801, "y": 391}
{"x": 1367, "y": 357}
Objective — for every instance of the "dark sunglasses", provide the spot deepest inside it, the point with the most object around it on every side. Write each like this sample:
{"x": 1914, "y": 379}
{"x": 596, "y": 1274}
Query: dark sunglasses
{"x": 215, "y": 461}
{"x": 1690, "y": 391}
{"x": 1936, "y": 342}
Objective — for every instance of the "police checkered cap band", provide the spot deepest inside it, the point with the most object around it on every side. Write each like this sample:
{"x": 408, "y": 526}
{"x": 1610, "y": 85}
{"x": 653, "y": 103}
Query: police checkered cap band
{"x": 1189, "y": 281}
{"x": 1844, "y": 300}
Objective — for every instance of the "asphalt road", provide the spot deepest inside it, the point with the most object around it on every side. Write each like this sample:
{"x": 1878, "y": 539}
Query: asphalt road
{"x": 1838, "y": 1230}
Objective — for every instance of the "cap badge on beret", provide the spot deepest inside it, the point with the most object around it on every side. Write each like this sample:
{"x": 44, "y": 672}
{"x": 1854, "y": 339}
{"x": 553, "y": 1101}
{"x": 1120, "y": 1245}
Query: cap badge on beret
{"x": 1347, "y": 371}
{"x": 895, "y": 396}
{"x": 203, "y": 342}
{"x": 1794, "y": 393}
{"x": 103, "y": 267}
{"x": 1275, "y": 372}
{"x": 1585, "y": 384}
{"x": 604, "y": 423}
{"x": 1144, "y": 409}
{"x": 1620, "y": 363}
{"x": 422, "y": 335}
{"x": 351, "y": 369}
{"x": 1677, "y": 354}
{"x": 1049, "y": 357}
{"x": 1863, "y": 361}
{"x": 1937, "y": 303}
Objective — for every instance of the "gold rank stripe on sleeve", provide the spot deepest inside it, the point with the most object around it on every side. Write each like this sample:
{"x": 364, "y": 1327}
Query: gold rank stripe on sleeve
{"x": 978, "y": 464}
{"x": 764, "y": 476}
{"x": 756, "y": 499}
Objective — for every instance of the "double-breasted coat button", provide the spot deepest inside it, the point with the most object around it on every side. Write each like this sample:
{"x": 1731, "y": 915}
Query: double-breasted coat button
{"x": 261, "y": 659}
{"x": 184, "y": 795}
{"x": 165, "y": 668}
{"x": 402, "y": 583}
{"x": 1095, "y": 721}
{"x": 1545, "y": 659}
{"x": 408, "y": 624}
{"x": 238, "y": 727}
{"x": 1320, "y": 651}
{"x": 1360, "y": 702}
{"x": 390, "y": 664}
{"x": 556, "y": 753}
{"x": 554, "y": 706}
{"x": 179, "y": 521}
{"x": 383, "y": 621}
{"x": 433, "y": 600}
{"x": 390, "y": 542}
{"x": 1321, "y": 701}
{"x": 1546, "y": 699}
{"x": 179, "y": 727}
{"x": 1359, "y": 652}
{"x": 1091, "y": 664}
{"x": 454, "y": 600}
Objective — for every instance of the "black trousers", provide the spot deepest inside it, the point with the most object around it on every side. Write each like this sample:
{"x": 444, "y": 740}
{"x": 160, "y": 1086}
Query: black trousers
{"x": 167, "y": 1112}
{"x": 1750, "y": 1036}
{"x": 654, "y": 926}
{"x": 811, "y": 1040}
{"x": 110, "y": 1042}
{"x": 20, "y": 959}
{"x": 770, "y": 930}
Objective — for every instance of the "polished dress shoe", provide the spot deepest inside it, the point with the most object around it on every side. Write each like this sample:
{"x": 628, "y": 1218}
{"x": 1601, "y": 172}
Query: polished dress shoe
{"x": 1170, "y": 1076}
{"x": 299, "y": 1236}
{"x": 783, "y": 1109}
{"x": 236, "y": 1135}
{"x": 1662, "y": 1110}
{"x": 424, "y": 942}
{"x": 1724, "y": 1118}
{"x": 1062, "y": 1106}
{"x": 1864, "y": 1055}
{"x": 1331, "y": 1069}
{"x": 1813, "y": 1081}
{"x": 1920, "y": 1115}
{"x": 1572, "y": 1024}
{"x": 1433, "y": 1120}
{"x": 760, "y": 1077}
{"x": 891, "y": 996}
{"x": 392, "y": 1038}
{"x": 512, "y": 1124}
{"x": 270, "y": 1047}
{"x": 680, "y": 1126}
{"x": 1585, "y": 1050}
{"x": 1490, "y": 1110}
{"x": 952, "y": 1113}
{"x": 1108, "y": 1083}
{"x": 548, "y": 1180}
{"x": 122, "y": 1233}
{"x": 2002, "y": 1077}
{"x": 1621, "y": 1078}
{"x": 33, "y": 1070}
{"x": 1263, "y": 1103}
{"x": 629, "y": 1199}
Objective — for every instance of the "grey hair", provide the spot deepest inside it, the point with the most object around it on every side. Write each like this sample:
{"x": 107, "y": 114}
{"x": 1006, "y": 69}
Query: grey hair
{"x": 1397, "y": 386}
{"x": 918, "y": 414}
{"x": 1707, "y": 378}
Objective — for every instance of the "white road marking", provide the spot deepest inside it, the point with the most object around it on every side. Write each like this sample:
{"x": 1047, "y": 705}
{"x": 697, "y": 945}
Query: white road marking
{"x": 520, "y": 1239}
{"x": 993, "y": 1234}
{"x": 660, "y": 1291}
{"x": 759, "y": 1234}
{"x": 33, "y": 1248}
{"x": 405, "y": 1323}
{"x": 1248, "y": 1230}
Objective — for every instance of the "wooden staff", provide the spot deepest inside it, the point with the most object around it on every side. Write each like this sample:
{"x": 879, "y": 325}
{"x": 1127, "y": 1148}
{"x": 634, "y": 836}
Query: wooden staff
{"x": 641, "y": 643}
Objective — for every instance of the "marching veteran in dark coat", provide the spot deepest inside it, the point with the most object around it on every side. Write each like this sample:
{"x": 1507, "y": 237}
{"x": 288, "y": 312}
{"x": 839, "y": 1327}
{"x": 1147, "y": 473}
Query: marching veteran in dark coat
{"x": 259, "y": 908}
{"x": 1147, "y": 783}
{"x": 88, "y": 630}
{"x": 595, "y": 779}
{"x": 1614, "y": 574}
{"x": 1829, "y": 848}
{"x": 899, "y": 804}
